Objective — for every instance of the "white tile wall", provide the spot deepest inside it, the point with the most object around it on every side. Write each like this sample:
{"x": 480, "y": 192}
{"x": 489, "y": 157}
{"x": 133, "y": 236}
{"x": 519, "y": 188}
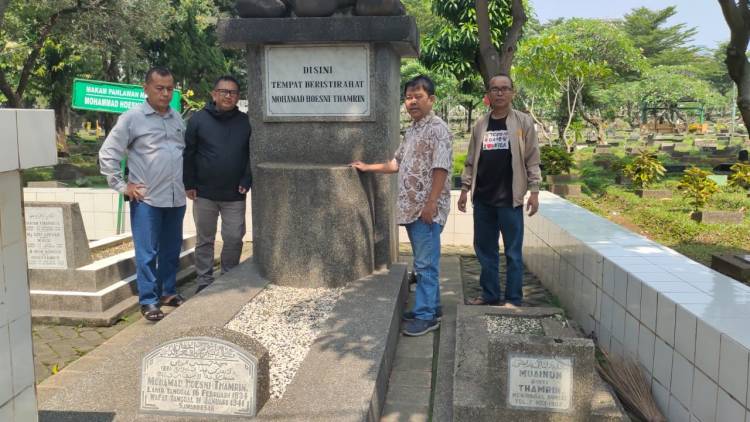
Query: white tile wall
{"x": 11, "y": 226}
{"x": 6, "y": 378}
{"x": 35, "y": 130}
{"x": 16, "y": 281}
{"x": 727, "y": 409}
{"x": 682, "y": 379}
{"x": 685, "y": 333}
{"x": 9, "y": 157}
{"x": 707, "y": 344}
{"x": 686, "y": 324}
{"x": 22, "y": 355}
{"x": 665, "y": 319}
{"x": 663, "y": 362}
{"x": 733, "y": 369}
{"x": 705, "y": 398}
{"x": 25, "y": 406}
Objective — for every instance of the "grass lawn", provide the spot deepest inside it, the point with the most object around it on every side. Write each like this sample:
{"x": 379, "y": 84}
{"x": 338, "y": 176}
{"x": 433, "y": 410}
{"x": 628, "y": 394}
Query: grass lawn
{"x": 668, "y": 222}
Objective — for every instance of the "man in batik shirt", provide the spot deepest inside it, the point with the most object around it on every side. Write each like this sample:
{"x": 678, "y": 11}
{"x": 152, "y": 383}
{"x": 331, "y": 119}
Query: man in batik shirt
{"x": 423, "y": 162}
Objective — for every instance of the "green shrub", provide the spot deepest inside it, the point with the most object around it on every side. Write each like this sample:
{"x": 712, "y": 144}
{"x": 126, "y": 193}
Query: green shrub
{"x": 697, "y": 187}
{"x": 740, "y": 176}
{"x": 458, "y": 163}
{"x": 644, "y": 170}
{"x": 556, "y": 160}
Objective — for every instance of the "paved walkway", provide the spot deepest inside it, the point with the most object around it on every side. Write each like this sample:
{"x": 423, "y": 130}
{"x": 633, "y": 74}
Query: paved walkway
{"x": 414, "y": 387}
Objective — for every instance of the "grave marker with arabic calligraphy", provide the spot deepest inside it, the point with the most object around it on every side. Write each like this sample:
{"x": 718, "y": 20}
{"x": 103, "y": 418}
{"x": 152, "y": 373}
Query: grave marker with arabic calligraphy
{"x": 202, "y": 376}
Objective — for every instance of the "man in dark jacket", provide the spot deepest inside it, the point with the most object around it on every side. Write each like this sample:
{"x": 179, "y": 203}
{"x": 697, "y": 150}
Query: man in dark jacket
{"x": 217, "y": 177}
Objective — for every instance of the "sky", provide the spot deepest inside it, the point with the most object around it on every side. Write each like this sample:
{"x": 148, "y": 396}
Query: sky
{"x": 705, "y": 15}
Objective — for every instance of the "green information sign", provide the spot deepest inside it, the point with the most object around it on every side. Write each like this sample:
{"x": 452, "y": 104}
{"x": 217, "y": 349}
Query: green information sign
{"x": 111, "y": 97}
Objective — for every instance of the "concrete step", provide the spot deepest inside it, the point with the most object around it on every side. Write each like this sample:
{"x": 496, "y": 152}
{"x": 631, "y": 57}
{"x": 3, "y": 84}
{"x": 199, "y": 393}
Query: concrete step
{"x": 94, "y": 277}
{"x": 99, "y": 301}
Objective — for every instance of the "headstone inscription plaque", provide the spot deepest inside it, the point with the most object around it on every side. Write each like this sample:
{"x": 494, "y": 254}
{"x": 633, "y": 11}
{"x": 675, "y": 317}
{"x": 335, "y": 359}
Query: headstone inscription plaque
{"x": 317, "y": 80}
{"x": 203, "y": 376}
{"x": 542, "y": 383}
{"x": 45, "y": 238}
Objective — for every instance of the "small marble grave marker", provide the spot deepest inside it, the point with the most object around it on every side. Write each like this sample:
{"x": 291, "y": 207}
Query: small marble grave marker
{"x": 45, "y": 238}
{"x": 205, "y": 376}
{"x": 541, "y": 383}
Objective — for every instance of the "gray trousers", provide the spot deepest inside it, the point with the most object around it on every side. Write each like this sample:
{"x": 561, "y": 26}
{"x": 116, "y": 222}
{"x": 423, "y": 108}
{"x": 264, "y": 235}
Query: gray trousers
{"x": 206, "y": 213}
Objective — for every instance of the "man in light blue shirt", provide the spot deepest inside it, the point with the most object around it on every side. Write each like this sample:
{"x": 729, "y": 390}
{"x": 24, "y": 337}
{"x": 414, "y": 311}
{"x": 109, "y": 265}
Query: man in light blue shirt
{"x": 151, "y": 136}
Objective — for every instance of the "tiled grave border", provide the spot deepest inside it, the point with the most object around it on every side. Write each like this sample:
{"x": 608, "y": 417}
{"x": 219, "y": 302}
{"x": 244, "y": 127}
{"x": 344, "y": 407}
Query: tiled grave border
{"x": 687, "y": 325}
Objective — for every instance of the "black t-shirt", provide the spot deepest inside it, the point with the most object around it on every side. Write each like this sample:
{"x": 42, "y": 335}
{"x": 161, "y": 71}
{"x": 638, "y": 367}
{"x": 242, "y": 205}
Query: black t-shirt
{"x": 494, "y": 186}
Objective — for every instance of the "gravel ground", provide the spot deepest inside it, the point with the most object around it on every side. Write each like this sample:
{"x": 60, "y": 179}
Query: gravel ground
{"x": 286, "y": 321}
{"x": 511, "y": 325}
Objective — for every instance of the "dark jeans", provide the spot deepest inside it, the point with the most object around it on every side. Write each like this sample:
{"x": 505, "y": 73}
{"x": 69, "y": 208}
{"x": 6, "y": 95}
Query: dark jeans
{"x": 157, "y": 236}
{"x": 489, "y": 224}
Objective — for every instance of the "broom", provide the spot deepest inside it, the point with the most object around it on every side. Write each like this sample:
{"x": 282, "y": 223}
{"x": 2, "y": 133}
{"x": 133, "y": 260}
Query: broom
{"x": 625, "y": 376}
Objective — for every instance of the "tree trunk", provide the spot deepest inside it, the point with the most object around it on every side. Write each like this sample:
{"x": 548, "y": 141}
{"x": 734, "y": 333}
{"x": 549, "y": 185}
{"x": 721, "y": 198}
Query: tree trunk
{"x": 62, "y": 110}
{"x": 490, "y": 62}
{"x": 598, "y": 124}
{"x": 469, "y": 110}
{"x": 738, "y": 19}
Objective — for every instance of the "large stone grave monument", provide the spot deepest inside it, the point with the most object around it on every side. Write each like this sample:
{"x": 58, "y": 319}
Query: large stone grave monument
{"x": 27, "y": 141}
{"x": 323, "y": 91}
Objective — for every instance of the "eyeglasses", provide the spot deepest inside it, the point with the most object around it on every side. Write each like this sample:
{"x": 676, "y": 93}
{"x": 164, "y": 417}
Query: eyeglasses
{"x": 227, "y": 92}
{"x": 504, "y": 89}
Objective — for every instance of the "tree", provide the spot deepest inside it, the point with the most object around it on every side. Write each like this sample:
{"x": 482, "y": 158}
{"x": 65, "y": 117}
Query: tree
{"x": 455, "y": 48}
{"x": 737, "y": 15}
{"x": 565, "y": 59}
{"x": 660, "y": 44}
{"x": 490, "y": 62}
{"x": 191, "y": 49}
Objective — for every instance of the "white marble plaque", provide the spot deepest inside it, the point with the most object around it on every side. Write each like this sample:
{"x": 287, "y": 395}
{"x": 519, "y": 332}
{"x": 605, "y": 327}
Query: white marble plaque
{"x": 540, "y": 383}
{"x": 322, "y": 81}
{"x": 199, "y": 375}
{"x": 45, "y": 238}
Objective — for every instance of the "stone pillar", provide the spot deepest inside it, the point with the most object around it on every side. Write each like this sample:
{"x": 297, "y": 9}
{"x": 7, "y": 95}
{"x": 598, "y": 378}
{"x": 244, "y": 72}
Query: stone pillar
{"x": 323, "y": 92}
{"x": 27, "y": 140}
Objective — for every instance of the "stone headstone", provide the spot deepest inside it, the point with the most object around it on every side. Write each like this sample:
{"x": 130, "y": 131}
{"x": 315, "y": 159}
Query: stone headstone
{"x": 211, "y": 372}
{"x": 55, "y": 236}
{"x": 515, "y": 368}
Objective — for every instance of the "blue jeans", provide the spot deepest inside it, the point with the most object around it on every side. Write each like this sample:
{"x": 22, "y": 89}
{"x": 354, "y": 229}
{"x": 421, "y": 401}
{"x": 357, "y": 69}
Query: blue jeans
{"x": 489, "y": 223}
{"x": 425, "y": 243}
{"x": 157, "y": 236}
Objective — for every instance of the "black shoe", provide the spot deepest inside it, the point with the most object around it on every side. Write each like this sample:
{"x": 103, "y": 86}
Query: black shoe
{"x": 152, "y": 313}
{"x": 411, "y": 316}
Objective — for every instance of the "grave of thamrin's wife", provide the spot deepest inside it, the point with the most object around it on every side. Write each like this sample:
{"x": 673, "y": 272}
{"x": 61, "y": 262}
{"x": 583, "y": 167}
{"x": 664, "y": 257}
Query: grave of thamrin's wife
{"x": 322, "y": 91}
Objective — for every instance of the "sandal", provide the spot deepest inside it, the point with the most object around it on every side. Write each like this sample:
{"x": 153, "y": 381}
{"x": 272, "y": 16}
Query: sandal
{"x": 479, "y": 301}
{"x": 174, "y": 301}
{"x": 152, "y": 313}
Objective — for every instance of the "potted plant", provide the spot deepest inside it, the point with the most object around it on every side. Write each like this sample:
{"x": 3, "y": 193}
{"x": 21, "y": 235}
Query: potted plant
{"x": 643, "y": 171}
{"x": 557, "y": 163}
{"x": 740, "y": 176}
{"x": 698, "y": 188}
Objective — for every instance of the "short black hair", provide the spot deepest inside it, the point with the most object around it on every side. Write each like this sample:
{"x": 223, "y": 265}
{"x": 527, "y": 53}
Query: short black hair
{"x": 159, "y": 70}
{"x": 504, "y": 75}
{"x": 228, "y": 78}
{"x": 421, "y": 81}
